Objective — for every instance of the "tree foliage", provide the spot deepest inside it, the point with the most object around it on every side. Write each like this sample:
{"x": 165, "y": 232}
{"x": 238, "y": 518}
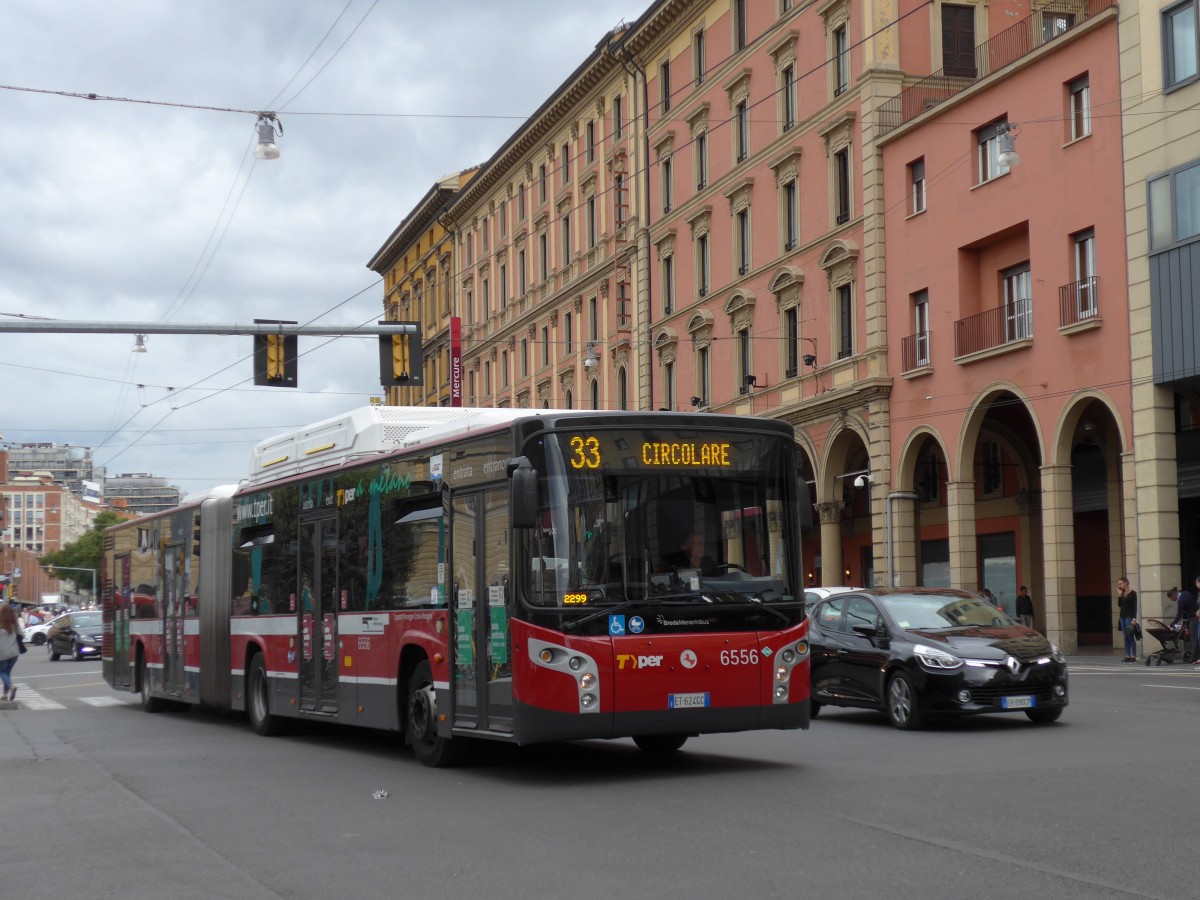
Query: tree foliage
{"x": 84, "y": 553}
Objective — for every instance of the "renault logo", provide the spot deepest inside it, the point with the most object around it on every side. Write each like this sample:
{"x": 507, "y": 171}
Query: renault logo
{"x": 1014, "y": 664}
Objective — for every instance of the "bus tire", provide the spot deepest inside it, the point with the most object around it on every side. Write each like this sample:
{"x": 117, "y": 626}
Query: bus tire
{"x": 421, "y": 721}
{"x": 258, "y": 700}
{"x": 659, "y": 743}
{"x": 149, "y": 704}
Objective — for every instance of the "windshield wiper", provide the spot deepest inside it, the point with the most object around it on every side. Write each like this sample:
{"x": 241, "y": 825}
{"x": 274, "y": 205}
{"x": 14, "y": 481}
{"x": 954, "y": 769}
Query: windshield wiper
{"x": 749, "y": 601}
{"x": 608, "y": 610}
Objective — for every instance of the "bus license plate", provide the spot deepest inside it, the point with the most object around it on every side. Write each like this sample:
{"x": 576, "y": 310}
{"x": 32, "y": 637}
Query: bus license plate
{"x": 686, "y": 701}
{"x": 1024, "y": 702}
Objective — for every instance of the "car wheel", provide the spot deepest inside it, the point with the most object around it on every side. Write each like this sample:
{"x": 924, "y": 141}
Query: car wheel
{"x": 903, "y": 704}
{"x": 76, "y": 651}
{"x": 814, "y": 709}
{"x": 38, "y": 639}
{"x": 659, "y": 743}
{"x": 51, "y": 652}
{"x": 1044, "y": 716}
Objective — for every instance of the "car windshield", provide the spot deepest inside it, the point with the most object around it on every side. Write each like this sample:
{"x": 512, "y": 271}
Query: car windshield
{"x": 933, "y": 611}
{"x": 91, "y": 620}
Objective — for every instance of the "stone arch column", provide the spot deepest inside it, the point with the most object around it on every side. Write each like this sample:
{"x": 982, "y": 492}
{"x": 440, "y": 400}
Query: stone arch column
{"x": 1059, "y": 614}
{"x": 830, "y": 514}
{"x": 960, "y": 514}
{"x": 905, "y": 539}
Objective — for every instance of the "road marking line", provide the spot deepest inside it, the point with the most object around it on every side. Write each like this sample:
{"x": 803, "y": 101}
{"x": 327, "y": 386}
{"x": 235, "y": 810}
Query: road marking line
{"x": 103, "y": 701}
{"x": 1177, "y": 687}
{"x": 31, "y": 699}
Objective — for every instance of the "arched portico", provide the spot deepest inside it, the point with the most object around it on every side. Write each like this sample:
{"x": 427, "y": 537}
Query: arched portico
{"x": 844, "y": 507}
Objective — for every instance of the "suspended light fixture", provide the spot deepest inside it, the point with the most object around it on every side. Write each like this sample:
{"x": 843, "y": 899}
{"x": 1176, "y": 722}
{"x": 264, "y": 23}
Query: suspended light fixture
{"x": 590, "y": 361}
{"x": 139, "y": 344}
{"x": 1008, "y": 156}
{"x": 267, "y": 127}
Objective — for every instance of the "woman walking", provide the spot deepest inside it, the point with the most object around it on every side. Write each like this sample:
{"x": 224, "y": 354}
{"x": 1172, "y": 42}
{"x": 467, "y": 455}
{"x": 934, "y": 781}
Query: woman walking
{"x": 10, "y": 648}
{"x": 1127, "y": 607}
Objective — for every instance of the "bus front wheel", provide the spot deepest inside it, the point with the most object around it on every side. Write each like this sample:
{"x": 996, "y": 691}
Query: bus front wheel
{"x": 421, "y": 720}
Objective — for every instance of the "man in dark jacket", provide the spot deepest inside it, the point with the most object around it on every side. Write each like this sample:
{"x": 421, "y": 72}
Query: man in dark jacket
{"x": 1187, "y": 605}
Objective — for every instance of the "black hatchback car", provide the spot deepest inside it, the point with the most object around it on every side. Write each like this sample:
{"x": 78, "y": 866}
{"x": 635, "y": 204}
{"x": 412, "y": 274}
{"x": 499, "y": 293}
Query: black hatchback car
{"x": 79, "y": 634}
{"x": 921, "y": 652}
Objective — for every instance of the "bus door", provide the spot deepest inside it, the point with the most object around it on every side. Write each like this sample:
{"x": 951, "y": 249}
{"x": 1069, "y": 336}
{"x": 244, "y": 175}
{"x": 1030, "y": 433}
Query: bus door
{"x": 481, "y": 598}
{"x": 120, "y": 603}
{"x": 317, "y": 615}
{"x": 173, "y": 614}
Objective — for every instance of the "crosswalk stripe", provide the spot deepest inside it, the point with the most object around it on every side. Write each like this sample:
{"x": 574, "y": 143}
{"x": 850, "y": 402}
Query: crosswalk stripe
{"x": 103, "y": 701}
{"x": 31, "y": 699}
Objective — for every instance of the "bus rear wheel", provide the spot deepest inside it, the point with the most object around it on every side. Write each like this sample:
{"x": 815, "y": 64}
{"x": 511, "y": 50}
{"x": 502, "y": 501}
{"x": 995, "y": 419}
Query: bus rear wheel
{"x": 258, "y": 701}
{"x": 421, "y": 721}
{"x": 659, "y": 743}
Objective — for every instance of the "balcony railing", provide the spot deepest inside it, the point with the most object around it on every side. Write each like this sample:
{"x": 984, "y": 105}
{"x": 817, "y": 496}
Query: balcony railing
{"x": 1006, "y": 47}
{"x": 914, "y": 350}
{"x": 1079, "y": 301}
{"x": 994, "y": 328}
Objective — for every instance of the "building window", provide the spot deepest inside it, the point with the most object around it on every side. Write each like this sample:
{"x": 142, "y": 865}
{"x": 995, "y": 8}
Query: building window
{"x": 841, "y": 55}
{"x": 591, "y": 222}
{"x": 987, "y": 141}
{"x": 620, "y": 200}
{"x": 841, "y": 185}
{"x": 791, "y": 216}
{"x": 521, "y": 202}
{"x": 668, "y": 284}
{"x": 744, "y": 363}
{"x": 524, "y": 356}
{"x": 593, "y": 318}
{"x": 504, "y": 368}
{"x": 845, "y": 320}
{"x": 1175, "y": 207}
{"x": 569, "y": 332}
{"x": 617, "y": 116}
{"x": 485, "y": 299}
{"x": 590, "y": 141}
{"x": 958, "y": 41}
{"x": 788, "y": 96}
{"x": 469, "y": 307}
{"x": 487, "y": 379}
{"x": 668, "y": 396}
{"x": 703, "y": 376}
{"x": 522, "y": 276}
{"x": 742, "y": 130}
{"x": 622, "y": 389}
{"x": 545, "y": 345}
{"x": 920, "y": 301}
{"x": 485, "y": 230}
{"x": 742, "y": 240}
{"x": 702, "y": 268}
{"x": 698, "y": 64}
{"x": 543, "y": 256}
{"x": 791, "y": 337}
{"x": 664, "y": 86}
{"x": 503, "y": 273}
{"x": 502, "y": 218}
{"x": 542, "y": 183}
{"x": 1084, "y": 252}
{"x": 566, "y": 164}
{"x": 701, "y": 160}
{"x": 566, "y": 239}
{"x": 595, "y": 394}
{"x": 1056, "y": 23}
{"x": 1079, "y": 107}
{"x": 1180, "y": 45}
{"x": 668, "y": 187}
{"x": 916, "y": 186}
{"x": 1018, "y": 303}
{"x": 739, "y": 24}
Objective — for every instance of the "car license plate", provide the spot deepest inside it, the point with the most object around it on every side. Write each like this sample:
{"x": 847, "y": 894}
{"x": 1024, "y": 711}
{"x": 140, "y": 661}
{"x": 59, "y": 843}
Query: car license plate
{"x": 686, "y": 701}
{"x": 1023, "y": 702}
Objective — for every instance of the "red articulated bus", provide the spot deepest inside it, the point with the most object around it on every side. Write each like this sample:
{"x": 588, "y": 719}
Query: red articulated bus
{"x": 514, "y": 575}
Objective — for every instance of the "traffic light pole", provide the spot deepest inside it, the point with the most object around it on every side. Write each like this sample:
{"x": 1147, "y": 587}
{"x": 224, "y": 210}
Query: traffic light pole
{"x": 52, "y": 570}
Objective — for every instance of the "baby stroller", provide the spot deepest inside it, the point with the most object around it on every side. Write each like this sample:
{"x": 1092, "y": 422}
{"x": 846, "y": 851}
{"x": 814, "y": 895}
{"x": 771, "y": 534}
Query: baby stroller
{"x": 1169, "y": 640}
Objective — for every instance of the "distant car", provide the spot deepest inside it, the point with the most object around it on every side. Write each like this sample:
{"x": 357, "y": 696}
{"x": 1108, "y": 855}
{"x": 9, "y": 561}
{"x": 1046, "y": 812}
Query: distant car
{"x": 36, "y": 634}
{"x": 79, "y": 634}
{"x": 814, "y": 595}
{"x": 921, "y": 652}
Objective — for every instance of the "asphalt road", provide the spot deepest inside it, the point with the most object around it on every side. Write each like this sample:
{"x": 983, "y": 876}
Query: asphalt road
{"x": 100, "y": 799}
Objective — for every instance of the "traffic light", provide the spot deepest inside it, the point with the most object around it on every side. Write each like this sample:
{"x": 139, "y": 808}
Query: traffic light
{"x": 401, "y": 361}
{"x": 275, "y": 357}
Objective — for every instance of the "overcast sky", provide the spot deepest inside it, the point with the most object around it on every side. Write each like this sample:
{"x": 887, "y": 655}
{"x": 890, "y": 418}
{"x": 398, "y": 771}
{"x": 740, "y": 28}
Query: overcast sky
{"x": 138, "y": 212}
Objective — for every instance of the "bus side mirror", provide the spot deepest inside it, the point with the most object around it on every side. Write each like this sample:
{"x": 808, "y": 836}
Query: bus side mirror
{"x": 524, "y": 490}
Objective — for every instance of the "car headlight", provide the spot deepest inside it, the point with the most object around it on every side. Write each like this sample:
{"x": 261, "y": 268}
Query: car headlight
{"x": 936, "y": 659}
{"x": 1056, "y": 654}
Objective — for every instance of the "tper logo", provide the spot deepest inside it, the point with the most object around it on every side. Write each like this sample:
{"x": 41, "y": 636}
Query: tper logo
{"x": 629, "y": 661}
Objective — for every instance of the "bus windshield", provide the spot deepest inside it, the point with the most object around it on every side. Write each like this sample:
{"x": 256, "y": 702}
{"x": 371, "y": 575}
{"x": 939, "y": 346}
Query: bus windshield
{"x": 657, "y": 517}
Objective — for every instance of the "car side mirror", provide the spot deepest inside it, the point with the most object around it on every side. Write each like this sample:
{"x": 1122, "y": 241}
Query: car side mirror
{"x": 871, "y": 632}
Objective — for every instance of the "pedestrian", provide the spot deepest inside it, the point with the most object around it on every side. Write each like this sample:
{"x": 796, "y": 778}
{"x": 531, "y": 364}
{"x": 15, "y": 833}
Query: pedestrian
{"x": 1024, "y": 606}
{"x": 1127, "y": 609}
{"x": 1187, "y": 603}
{"x": 11, "y": 646}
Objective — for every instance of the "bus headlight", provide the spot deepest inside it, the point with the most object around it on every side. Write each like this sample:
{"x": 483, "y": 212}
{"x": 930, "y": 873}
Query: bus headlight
{"x": 586, "y": 680}
{"x": 781, "y": 673}
{"x": 788, "y": 656}
{"x": 576, "y": 663}
{"x": 780, "y": 692}
{"x": 587, "y": 701}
